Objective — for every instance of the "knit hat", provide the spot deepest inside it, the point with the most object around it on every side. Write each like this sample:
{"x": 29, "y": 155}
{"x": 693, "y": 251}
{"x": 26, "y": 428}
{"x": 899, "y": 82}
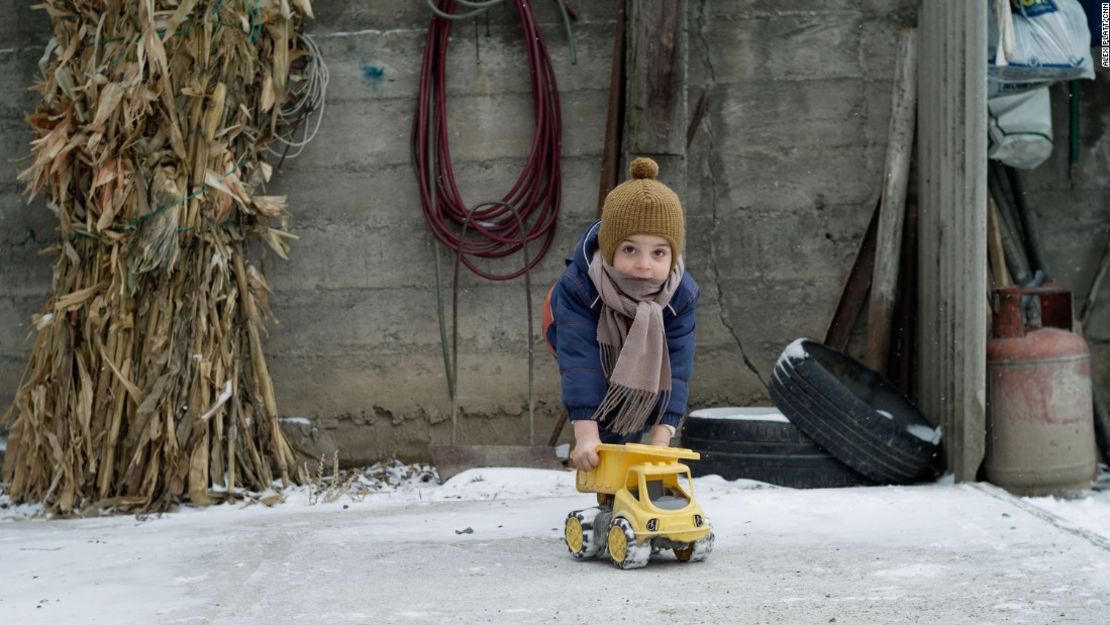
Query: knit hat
{"x": 641, "y": 205}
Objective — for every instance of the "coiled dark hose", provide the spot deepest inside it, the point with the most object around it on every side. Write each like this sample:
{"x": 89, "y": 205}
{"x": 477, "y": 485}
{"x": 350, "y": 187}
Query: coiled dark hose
{"x": 536, "y": 193}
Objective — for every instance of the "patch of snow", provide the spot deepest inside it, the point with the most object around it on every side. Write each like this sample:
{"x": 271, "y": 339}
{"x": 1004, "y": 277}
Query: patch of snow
{"x": 715, "y": 485}
{"x": 793, "y": 351}
{"x": 224, "y": 396}
{"x": 916, "y": 571}
{"x": 745, "y": 413}
{"x": 868, "y": 552}
{"x": 41, "y": 321}
{"x": 394, "y": 479}
{"x": 296, "y": 421}
{"x": 885, "y": 414}
{"x": 18, "y": 512}
{"x": 506, "y": 483}
{"x": 925, "y": 433}
{"x": 1090, "y": 511}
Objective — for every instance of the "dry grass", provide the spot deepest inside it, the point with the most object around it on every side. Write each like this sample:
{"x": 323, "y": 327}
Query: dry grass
{"x": 147, "y": 381}
{"x": 328, "y": 489}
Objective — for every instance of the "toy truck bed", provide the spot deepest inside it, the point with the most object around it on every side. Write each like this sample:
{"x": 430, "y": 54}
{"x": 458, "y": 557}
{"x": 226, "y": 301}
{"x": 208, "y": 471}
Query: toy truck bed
{"x": 615, "y": 460}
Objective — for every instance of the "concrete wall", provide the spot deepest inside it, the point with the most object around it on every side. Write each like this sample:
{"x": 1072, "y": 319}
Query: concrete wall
{"x": 24, "y": 229}
{"x": 784, "y": 172}
{"x": 782, "y": 175}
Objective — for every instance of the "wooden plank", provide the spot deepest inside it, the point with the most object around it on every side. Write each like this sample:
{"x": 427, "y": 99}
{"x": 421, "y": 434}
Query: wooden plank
{"x": 655, "y": 111}
{"x": 695, "y": 119}
{"x": 1009, "y": 229}
{"x": 900, "y": 367}
{"x": 995, "y": 253}
{"x": 854, "y": 292}
{"x": 614, "y": 119}
{"x": 896, "y": 176}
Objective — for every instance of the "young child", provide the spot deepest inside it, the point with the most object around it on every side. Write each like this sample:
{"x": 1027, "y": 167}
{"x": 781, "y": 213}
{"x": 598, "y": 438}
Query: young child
{"x": 623, "y": 320}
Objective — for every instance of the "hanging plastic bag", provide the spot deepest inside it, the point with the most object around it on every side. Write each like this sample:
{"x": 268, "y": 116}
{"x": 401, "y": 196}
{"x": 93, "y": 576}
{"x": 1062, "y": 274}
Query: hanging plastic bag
{"x": 1032, "y": 43}
{"x": 1019, "y": 128}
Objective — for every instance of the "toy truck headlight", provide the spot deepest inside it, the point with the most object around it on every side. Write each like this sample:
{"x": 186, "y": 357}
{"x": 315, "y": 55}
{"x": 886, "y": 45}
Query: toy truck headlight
{"x": 698, "y": 521}
{"x": 653, "y": 525}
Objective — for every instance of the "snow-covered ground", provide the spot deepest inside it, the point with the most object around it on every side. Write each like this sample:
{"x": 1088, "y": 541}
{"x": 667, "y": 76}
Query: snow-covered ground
{"x": 486, "y": 547}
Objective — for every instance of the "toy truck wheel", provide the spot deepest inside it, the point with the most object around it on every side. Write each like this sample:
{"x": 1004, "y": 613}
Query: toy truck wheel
{"x": 579, "y": 533}
{"x": 700, "y": 548}
{"x": 625, "y": 552}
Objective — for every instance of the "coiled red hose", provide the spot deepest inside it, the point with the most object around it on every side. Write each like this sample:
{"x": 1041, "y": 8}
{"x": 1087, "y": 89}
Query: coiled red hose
{"x": 536, "y": 194}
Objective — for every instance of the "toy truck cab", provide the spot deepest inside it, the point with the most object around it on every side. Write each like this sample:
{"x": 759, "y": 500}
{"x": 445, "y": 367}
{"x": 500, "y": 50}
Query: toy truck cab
{"x": 645, "y": 504}
{"x": 658, "y": 501}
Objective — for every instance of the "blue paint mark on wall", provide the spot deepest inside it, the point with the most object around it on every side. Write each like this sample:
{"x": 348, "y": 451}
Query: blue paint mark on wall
{"x": 372, "y": 73}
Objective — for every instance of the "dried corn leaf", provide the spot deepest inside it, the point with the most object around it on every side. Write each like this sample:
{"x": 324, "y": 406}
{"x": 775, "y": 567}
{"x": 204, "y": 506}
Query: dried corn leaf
{"x": 110, "y": 99}
{"x": 305, "y": 6}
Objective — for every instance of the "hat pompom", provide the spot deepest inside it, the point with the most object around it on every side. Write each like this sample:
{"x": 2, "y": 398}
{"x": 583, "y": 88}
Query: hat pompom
{"x": 643, "y": 168}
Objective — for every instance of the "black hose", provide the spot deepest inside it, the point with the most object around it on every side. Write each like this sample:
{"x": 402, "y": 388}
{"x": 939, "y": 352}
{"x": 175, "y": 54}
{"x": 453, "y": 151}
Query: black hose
{"x": 1032, "y": 235}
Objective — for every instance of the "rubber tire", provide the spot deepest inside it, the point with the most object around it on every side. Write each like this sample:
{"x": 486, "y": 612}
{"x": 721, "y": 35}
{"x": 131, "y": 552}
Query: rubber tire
{"x": 764, "y": 450}
{"x": 636, "y": 555}
{"x": 835, "y": 400}
{"x": 585, "y": 519}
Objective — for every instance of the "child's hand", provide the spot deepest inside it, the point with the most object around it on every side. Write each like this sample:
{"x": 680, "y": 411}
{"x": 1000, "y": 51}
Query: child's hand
{"x": 586, "y": 439}
{"x": 661, "y": 435}
{"x": 584, "y": 455}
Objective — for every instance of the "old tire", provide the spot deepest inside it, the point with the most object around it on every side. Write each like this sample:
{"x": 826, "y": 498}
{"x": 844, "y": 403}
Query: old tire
{"x": 579, "y": 535}
{"x": 761, "y": 444}
{"x": 855, "y": 414}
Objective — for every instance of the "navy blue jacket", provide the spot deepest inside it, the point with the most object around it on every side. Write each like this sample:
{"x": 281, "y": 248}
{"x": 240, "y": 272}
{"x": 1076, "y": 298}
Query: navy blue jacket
{"x": 576, "y": 309}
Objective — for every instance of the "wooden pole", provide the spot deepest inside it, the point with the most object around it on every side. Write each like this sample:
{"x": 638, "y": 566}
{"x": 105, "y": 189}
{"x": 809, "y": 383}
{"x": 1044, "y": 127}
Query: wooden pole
{"x": 614, "y": 120}
{"x": 952, "y": 257}
{"x": 655, "y": 104}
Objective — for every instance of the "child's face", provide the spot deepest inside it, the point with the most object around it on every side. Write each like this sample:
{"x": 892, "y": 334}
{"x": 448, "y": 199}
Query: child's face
{"x": 643, "y": 256}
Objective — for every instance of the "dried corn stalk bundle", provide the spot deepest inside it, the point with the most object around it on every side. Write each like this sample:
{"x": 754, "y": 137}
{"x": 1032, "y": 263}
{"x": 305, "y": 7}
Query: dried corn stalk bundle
{"x": 147, "y": 381}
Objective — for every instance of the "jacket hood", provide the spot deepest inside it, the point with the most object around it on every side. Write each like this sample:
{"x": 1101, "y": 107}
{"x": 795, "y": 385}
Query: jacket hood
{"x": 587, "y": 245}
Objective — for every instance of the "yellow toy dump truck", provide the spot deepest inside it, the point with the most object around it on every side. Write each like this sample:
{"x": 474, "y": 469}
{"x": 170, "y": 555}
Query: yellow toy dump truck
{"x": 645, "y": 505}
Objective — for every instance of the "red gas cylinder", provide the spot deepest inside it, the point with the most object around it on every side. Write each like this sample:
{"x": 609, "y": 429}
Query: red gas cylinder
{"x": 1040, "y": 426}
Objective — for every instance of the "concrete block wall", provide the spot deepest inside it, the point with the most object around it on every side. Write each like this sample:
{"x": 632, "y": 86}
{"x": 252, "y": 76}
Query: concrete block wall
{"x": 782, "y": 175}
{"x": 358, "y": 347}
{"x": 24, "y": 228}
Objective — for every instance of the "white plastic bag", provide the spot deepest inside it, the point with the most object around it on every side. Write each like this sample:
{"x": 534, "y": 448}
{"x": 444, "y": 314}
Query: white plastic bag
{"x": 1036, "y": 42}
{"x": 1019, "y": 127}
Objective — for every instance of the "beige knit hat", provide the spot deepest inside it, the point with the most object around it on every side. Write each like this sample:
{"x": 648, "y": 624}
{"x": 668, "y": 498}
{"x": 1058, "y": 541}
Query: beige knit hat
{"x": 641, "y": 205}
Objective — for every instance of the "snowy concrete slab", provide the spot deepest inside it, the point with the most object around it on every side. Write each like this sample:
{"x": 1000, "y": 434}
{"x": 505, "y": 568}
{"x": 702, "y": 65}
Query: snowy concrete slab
{"x": 486, "y": 547}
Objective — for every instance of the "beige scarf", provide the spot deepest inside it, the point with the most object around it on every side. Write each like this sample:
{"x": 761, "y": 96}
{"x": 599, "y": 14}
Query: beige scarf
{"x": 635, "y": 357}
